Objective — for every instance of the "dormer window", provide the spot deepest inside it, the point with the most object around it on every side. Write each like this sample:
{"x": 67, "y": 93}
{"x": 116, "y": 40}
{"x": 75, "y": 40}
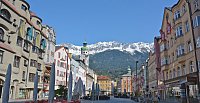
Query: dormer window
{"x": 38, "y": 23}
{"x": 6, "y": 14}
{"x": 23, "y": 7}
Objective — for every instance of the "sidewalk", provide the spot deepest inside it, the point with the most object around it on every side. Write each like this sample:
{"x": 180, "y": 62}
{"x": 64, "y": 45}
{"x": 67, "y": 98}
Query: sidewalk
{"x": 169, "y": 101}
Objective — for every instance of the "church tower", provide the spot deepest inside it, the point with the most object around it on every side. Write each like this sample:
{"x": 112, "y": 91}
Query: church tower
{"x": 85, "y": 54}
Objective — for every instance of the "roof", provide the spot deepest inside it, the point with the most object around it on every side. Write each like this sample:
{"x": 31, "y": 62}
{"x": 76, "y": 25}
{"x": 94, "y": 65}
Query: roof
{"x": 103, "y": 77}
{"x": 12, "y": 7}
{"x": 58, "y": 47}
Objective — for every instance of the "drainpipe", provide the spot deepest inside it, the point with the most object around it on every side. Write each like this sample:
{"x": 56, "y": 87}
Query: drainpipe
{"x": 195, "y": 51}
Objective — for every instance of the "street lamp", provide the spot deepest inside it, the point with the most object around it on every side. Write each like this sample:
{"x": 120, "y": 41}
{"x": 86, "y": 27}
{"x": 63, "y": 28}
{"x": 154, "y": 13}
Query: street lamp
{"x": 147, "y": 75}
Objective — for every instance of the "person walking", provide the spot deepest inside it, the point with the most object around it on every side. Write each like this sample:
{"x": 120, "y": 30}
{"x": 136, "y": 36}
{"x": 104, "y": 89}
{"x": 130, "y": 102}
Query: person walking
{"x": 158, "y": 97}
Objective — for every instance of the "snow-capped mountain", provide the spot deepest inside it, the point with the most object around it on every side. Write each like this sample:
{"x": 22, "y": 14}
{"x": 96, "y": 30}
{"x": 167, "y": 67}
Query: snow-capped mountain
{"x": 113, "y": 45}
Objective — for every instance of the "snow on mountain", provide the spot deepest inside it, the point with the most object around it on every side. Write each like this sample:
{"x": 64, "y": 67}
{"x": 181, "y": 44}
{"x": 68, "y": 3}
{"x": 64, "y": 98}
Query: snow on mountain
{"x": 112, "y": 45}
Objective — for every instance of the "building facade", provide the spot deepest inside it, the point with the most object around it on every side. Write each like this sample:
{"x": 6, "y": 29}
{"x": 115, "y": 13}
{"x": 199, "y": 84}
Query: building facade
{"x": 22, "y": 44}
{"x": 177, "y": 49}
{"x": 152, "y": 74}
{"x": 48, "y": 57}
{"x": 126, "y": 82}
{"x": 104, "y": 84}
{"x": 62, "y": 66}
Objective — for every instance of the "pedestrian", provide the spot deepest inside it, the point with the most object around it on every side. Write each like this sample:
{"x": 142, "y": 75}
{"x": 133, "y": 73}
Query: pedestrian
{"x": 158, "y": 97}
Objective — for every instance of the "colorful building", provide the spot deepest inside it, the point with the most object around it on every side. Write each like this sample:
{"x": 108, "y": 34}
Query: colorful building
{"x": 126, "y": 82}
{"x": 104, "y": 84}
{"x": 22, "y": 44}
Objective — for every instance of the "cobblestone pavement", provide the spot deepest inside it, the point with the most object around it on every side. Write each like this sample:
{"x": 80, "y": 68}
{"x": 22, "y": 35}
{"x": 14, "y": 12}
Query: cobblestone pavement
{"x": 112, "y": 100}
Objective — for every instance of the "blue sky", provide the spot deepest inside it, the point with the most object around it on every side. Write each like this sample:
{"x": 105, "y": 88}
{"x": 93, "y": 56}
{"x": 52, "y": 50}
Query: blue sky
{"x": 102, "y": 20}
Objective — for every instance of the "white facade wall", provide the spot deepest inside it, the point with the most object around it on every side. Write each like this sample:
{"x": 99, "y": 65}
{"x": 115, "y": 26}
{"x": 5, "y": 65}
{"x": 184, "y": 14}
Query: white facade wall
{"x": 60, "y": 57}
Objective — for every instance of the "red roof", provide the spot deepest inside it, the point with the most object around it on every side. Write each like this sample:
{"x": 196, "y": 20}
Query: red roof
{"x": 103, "y": 77}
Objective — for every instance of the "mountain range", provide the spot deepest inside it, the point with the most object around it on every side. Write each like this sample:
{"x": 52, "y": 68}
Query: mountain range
{"x": 113, "y": 58}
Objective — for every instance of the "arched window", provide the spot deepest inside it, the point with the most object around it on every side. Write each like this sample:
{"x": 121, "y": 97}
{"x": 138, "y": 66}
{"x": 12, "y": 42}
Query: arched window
{"x": 5, "y": 13}
{"x": 1, "y": 34}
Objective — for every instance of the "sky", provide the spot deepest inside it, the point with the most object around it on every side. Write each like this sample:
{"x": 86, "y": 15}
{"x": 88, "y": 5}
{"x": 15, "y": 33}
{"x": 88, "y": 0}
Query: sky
{"x": 126, "y": 21}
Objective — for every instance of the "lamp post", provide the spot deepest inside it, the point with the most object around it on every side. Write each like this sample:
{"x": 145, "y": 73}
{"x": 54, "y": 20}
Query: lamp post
{"x": 137, "y": 88}
{"x": 147, "y": 77}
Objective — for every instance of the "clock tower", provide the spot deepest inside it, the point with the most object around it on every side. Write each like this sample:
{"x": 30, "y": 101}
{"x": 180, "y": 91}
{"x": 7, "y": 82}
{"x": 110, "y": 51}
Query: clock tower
{"x": 85, "y": 54}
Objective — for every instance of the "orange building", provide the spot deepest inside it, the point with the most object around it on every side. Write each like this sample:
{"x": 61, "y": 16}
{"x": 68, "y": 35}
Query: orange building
{"x": 126, "y": 83}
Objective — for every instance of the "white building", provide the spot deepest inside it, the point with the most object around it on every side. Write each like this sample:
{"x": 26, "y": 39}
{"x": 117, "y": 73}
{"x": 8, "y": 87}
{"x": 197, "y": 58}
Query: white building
{"x": 62, "y": 66}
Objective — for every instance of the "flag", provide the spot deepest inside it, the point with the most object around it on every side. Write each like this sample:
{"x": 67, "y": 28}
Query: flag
{"x": 30, "y": 33}
{"x": 21, "y": 32}
{"x": 37, "y": 39}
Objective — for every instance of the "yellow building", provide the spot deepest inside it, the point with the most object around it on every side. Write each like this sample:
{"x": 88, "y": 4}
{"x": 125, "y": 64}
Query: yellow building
{"x": 104, "y": 84}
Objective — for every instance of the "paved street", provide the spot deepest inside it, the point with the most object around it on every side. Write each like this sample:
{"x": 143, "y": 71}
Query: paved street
{"x": 112, "y": 100}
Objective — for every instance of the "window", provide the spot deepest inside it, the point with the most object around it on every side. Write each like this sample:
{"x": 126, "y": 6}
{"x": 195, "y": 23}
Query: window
{"x": 23, "y": 75}
{"x": 31, "y": 77}
{"x": 183, "y": 70}
{"x": 37, "y": 22}
{"x": 164, "y": 61}
{"x": 58, "y": 54}
{"x": 162, "y": 47}
{"x": 191, "y": 67}
{"x": 1, "y": 34}
{"x": 1, "y": 56}
{"x": 29, "y": 33}
{"x": 61, "y": 64}
{"x": 57, "y": 72}
{"x": 187, "y": 27}
{"x": 166, "y": 75}
{"x": 19, "y": 41}
{"x": 13, "y": 2}
{"x": 189, "y": 46}
{"x": 58, "y": 63}
{"x": 33, "y": 63}
{"x": 170, "y": 74}
{"x": 39, "y": 66}
{"x": 6, "y": 14}
{"x": 196, "y": 4}
{"x": 25, "y": 62}
{"x": 180, "y": 50}
{"x": 177, "y": 15}
{"x": 23, "y": 7}
{"x": 179, "y": 31}
{"x": 184, "y": 8}
{"x": 196, "y": 21}
{"x": 199, "y": 64}
{"x": 26, "y": 46}
{"x": 16, "y": 61}
{"x": 174, "y": 73}
{"x": 40, "y": 54}
{"x": 178, "y": 72}
{"x": 198, "y": 42}
{"x": 34, "y": 49}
